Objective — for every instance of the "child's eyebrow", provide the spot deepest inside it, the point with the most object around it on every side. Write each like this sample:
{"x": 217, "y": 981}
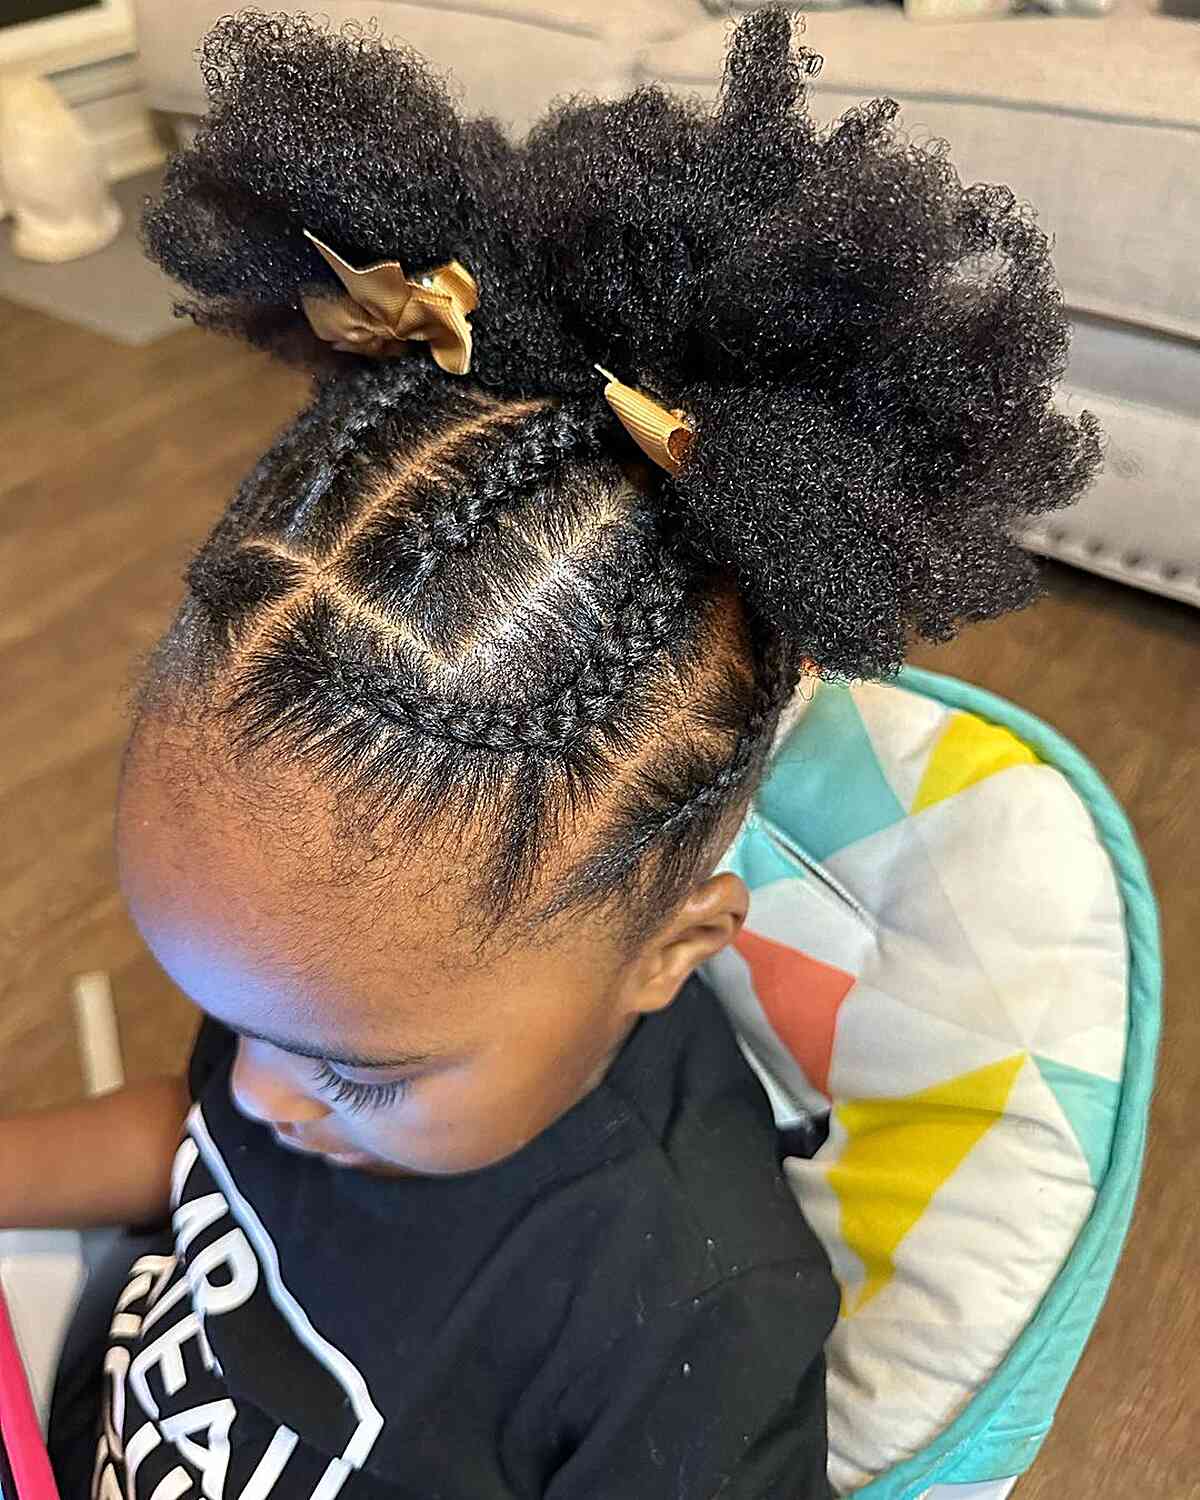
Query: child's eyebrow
{"x": 341, "y": 1060}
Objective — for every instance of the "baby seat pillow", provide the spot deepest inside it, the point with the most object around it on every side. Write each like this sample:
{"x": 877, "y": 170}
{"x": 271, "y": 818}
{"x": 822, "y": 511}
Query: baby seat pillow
{"x": 937, "y": 953}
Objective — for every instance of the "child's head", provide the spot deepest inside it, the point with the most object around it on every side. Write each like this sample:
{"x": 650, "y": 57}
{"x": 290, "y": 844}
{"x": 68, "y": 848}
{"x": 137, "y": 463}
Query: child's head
{"x": 465, "y": 700}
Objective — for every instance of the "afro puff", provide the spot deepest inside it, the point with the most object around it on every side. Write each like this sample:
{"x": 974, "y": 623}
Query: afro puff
{"x": 465, "y": 601}
{"x": 866, "y": 348}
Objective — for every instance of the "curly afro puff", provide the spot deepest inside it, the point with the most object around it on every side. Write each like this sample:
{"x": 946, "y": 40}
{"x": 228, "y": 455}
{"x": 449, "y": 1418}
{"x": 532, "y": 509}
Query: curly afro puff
{"x": 865, "y": 348}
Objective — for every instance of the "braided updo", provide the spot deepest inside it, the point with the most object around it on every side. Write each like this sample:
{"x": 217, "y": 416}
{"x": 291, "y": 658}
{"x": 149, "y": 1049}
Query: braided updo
{"x": 462, "y": 598}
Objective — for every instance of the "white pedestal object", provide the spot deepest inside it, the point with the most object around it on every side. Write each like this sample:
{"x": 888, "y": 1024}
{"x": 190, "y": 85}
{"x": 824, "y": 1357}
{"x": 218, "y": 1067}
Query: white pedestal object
{"x": 53, "y": 182}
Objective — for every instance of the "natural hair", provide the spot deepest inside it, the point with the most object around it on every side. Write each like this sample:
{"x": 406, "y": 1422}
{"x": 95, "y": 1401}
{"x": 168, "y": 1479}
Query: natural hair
{"x": 460, "y": 598}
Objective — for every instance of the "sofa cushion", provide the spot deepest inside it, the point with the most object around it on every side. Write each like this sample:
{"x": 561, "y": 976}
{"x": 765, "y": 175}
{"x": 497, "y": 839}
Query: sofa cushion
{"x": 507, "y": 59}
{"x": 1096, "y": 122}
{"x": 1138, "y": 522}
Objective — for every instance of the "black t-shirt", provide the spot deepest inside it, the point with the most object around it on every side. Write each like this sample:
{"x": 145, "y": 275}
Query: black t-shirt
{"x": 630, "y": 1308}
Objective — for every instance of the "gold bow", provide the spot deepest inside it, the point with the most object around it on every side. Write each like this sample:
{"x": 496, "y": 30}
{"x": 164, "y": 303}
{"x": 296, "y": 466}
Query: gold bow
{"x": 662, "y": 435}
{"x": 381, "y": 310}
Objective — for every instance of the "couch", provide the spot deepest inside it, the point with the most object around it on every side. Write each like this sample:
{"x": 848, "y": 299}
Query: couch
{"x": 1094, "y": 121}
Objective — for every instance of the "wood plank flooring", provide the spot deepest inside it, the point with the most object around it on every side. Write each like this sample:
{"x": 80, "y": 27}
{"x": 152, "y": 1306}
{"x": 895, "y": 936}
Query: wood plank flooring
{"x": 113, "y": 464}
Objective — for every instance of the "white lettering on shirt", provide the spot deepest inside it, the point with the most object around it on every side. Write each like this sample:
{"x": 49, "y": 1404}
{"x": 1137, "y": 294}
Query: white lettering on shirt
{"x": 211, "y": 1457}
{"x": 194, "y": 1439}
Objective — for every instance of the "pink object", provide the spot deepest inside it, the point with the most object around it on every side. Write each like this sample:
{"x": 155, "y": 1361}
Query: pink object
{"x": 23, "y": 1443}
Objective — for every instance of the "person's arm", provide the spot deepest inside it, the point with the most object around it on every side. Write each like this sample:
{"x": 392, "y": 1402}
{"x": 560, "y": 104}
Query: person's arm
{"x": 105, "y": 1161}
{"x": 721, "y": 1397}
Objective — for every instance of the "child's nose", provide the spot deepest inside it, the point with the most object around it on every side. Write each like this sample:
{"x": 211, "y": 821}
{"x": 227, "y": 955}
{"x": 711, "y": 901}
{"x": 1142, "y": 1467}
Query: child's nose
{"x": 263, "y": 1086}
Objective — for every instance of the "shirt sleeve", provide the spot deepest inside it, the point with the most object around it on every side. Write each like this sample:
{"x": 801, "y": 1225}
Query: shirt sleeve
{"x": 213, "y": 1045}
{"x": 722, "y": 1398}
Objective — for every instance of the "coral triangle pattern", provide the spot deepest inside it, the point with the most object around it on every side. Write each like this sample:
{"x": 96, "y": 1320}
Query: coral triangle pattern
{"x": 800, "y": 997}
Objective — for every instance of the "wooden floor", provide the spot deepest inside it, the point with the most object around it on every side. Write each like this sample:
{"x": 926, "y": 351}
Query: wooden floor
{"x": 113, "y": 464}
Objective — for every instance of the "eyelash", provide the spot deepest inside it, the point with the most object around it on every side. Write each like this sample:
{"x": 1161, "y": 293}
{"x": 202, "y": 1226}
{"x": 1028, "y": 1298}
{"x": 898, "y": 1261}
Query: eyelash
{"x": 359, "y": 1097}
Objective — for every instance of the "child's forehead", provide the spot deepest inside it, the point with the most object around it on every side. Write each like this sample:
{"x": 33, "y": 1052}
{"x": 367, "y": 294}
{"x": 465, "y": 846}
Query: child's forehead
{"x": 241, "y": 890}
{"x": 271, "y": 854}
{"x": 315, "y": 849}
{"x": 327, "y": 970}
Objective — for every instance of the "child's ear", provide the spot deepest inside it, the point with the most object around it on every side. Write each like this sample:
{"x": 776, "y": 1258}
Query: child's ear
{"x": 708, "y": 921}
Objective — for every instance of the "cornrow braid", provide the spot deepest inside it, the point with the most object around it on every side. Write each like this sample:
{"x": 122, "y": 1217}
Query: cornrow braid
{"x": 319, "y": 667}
{"x": 522, "y": 464}
{"x": 463, "y": 598}
{"x": 477, "y": 606}
{"x": 666, "y": 819}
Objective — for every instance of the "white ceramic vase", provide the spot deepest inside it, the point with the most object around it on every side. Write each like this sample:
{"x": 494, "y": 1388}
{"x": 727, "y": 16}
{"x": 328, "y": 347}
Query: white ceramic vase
{"x": 54, "y": 185}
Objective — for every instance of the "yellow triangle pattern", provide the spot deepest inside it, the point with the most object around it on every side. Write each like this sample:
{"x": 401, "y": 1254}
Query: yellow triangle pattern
{"x": 968, "y": 750}
{"x": 899, "y": 1152}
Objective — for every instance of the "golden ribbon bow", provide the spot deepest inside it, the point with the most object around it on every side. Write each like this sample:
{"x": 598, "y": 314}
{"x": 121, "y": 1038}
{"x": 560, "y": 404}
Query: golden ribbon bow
{"x": 381, "y": 310}
{"x": 662, "y": 435}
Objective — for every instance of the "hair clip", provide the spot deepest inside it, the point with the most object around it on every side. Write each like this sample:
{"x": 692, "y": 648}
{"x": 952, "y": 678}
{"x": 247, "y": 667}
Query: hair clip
{"x": 662, "y": 435}
{"x": 381, "y": 310}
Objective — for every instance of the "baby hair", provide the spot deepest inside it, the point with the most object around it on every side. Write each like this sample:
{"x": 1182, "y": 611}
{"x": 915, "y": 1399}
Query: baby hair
{"x": 465, "y": 600}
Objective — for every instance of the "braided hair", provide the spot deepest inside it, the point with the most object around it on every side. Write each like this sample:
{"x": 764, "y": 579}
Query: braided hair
{"x": 462, "y": 600}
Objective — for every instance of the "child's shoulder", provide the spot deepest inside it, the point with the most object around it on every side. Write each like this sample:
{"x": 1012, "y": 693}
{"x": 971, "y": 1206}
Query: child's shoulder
{"x": 692, "y": 1197}
{"x": 686, "y": 1250}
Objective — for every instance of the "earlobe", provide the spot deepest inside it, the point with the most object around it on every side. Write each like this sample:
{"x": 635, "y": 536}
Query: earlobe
{"x": 709, "y": 920}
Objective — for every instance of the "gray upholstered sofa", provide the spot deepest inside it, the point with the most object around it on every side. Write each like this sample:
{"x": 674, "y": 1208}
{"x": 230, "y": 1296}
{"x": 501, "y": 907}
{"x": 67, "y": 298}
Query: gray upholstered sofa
{"x": 1095, "y": 121}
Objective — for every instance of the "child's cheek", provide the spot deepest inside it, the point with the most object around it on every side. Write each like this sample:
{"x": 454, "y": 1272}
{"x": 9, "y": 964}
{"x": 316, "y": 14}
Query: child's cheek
{"x": 425, "y": 1131}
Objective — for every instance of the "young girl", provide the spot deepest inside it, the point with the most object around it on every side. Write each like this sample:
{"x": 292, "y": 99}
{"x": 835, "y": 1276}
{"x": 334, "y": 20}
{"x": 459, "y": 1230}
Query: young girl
{"x": 469, "y": 691}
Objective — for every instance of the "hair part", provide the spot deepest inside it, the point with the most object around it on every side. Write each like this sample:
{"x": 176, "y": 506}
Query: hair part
{"x": 459, "y": 599}
{"x": 464, "y": 613}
